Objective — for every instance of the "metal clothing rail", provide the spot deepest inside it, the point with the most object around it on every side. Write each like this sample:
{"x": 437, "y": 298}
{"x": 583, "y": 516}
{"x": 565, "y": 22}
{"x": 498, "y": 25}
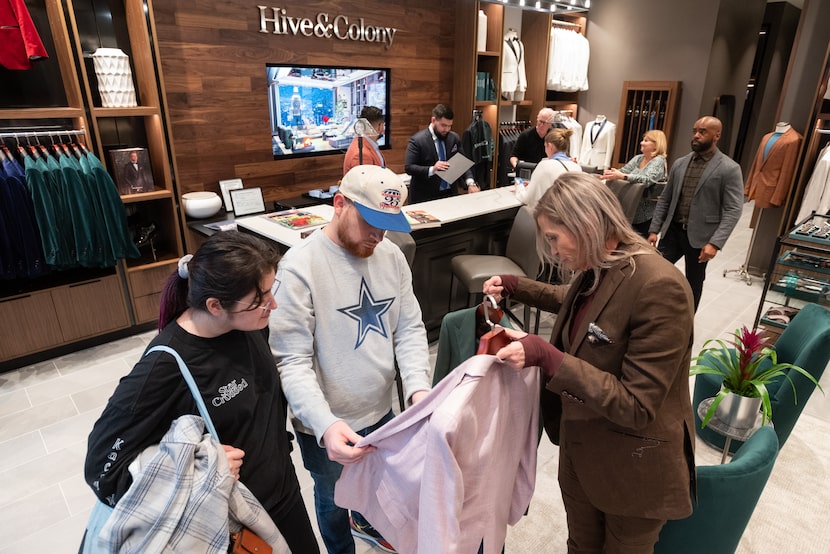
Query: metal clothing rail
{"x": 53, "y": 133}
{"x": 565, "y": 23}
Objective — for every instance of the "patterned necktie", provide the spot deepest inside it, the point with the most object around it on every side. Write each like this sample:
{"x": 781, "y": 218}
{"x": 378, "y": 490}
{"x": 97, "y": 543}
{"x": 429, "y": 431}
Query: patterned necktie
{"x": 442, "y": 156}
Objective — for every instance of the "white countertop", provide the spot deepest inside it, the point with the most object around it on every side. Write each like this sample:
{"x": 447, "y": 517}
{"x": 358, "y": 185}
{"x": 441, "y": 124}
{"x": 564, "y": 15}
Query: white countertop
{"x": 262, "y": 225}
{"x": 464, "y": 206}
{"x": 455, "y": 208}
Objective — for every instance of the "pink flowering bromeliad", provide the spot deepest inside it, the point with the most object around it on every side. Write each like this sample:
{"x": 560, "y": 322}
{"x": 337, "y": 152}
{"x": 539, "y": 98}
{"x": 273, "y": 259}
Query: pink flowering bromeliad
{"x": 746, "y": 368}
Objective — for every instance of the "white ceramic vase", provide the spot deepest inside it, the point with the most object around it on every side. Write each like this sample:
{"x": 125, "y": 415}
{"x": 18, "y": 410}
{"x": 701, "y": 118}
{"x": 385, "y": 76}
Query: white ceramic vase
{"x": 115, "y": 79}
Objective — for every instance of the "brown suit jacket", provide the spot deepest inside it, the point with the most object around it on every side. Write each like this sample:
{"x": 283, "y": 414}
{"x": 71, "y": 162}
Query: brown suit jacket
{"x": 770, "y": 179}
{"x": 626, "y": 417}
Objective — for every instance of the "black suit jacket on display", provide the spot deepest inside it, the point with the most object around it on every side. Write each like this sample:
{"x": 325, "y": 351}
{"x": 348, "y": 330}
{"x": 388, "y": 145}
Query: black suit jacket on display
{"x": 420, "y": 157}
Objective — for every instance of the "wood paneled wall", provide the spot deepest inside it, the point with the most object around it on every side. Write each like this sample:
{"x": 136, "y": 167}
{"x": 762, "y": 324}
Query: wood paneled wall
{"x": 213, "y": 61}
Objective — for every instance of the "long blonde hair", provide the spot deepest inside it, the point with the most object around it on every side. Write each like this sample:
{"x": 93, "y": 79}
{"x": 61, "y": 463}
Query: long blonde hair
{"x": 588, "y": 209}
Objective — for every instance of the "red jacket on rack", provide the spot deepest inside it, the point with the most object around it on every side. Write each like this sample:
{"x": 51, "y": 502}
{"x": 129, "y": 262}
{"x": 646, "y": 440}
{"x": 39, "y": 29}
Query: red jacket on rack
{"x": 19, "y": 40}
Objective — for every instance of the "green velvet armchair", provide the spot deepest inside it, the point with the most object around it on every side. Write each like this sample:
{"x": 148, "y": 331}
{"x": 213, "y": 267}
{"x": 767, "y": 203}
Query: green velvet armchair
{"x": 726, "y": 497}
{"x": 804, "y": 343}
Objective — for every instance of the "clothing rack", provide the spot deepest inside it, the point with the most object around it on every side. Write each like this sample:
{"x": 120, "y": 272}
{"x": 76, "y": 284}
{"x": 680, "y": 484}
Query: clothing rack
{"x": 52, "y": 133}
{"x": 515, "y": 123}
{"x": 566, "y": 23}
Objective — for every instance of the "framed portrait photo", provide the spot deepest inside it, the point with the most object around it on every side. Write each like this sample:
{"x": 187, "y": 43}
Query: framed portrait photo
{"x": 131, "y": 170}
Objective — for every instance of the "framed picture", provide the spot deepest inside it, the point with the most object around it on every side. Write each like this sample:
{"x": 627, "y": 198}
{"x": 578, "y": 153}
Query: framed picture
{"x": 131, "y": 170}
{"x": 247, "y": 201}
{"x": 227, "y": 186}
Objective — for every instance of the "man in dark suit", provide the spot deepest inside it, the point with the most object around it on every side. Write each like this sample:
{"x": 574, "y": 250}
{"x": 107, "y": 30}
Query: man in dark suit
{"x": 700, "y": 205}
{"x": 136, "y": 176}
{"x": 428, "y": 152}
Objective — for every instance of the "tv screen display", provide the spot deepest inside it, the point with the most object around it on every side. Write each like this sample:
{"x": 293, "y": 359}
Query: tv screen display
{"x": 313, "y": 108}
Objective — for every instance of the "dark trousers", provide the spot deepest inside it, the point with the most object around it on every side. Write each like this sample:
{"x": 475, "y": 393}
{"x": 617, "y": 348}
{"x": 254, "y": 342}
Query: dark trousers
{"x": 332, "y": 520}
{"x": 675, "y": 245}
{"x": 642, "y": 228}
{"x": 295, "y": 527}
{"x": 591, "y": 531}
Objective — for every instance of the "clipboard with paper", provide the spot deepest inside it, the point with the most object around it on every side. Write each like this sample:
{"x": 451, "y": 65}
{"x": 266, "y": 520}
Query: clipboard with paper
{"x": 459, "y": 164}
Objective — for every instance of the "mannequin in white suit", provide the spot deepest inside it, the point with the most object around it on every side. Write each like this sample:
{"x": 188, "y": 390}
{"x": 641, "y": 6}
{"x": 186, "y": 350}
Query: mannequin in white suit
{"x": 513, "y": 78}
{"x": 598, "y": 143}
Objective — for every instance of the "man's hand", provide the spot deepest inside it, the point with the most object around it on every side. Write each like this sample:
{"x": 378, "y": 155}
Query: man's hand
{"x": 440, "y": 166}
{"x": 417, "y": 396}
{"x": 235, "y": 456}
{"x": 708, "y": 252}
{"x": 652, "y": 239}
{"x": 339, "y": 440}
{"x": 473, "y": 188}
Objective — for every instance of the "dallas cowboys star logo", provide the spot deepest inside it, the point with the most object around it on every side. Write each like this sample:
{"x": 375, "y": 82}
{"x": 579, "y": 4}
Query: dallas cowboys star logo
{"x": 368, "y": 313}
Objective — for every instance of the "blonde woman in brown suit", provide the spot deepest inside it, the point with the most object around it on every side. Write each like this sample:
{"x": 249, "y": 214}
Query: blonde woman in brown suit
{"x": 616, "y": 393}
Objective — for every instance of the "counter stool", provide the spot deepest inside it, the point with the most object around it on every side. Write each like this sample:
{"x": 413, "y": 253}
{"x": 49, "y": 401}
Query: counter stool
{"x": 520, "y": 259}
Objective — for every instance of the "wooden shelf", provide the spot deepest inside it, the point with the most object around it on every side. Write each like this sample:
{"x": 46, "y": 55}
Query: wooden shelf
{"x": 137, "y": 111}
{"x": 144, "y": 196}
{"x": 42, "y": 113}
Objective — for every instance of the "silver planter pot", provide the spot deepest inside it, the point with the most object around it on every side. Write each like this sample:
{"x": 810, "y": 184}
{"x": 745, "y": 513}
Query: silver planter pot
{"x": 740, "y": 412}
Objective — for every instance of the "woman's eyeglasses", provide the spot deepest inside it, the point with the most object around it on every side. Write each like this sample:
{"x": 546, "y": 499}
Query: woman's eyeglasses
{"x": 267, "y": 305}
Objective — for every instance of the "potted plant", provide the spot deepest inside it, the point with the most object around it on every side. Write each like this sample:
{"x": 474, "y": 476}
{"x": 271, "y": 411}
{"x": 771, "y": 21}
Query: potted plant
{"x": 746, "y": 368}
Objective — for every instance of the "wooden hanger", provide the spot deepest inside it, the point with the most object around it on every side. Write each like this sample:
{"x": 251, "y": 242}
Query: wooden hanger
{"x": 495, "y": 339}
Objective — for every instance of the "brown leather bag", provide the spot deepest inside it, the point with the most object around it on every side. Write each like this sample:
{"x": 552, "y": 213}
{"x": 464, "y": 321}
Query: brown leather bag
{"x": 247, "y": 542}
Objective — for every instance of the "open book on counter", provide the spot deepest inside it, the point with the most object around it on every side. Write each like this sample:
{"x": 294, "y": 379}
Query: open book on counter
{"x": 296, "y": 219}
{"x": 420, "y": 219}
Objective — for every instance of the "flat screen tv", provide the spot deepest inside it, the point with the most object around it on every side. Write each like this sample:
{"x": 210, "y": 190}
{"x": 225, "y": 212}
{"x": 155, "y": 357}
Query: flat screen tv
{"x": 313, "y": 108}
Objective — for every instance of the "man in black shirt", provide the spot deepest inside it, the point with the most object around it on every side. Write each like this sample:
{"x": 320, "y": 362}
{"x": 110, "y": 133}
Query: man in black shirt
{"x": 530, "y": 144}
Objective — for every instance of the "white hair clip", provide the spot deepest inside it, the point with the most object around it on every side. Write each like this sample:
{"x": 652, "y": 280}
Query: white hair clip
{"x": 183, "y": 272}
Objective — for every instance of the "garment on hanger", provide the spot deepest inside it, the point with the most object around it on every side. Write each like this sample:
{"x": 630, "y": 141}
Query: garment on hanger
{"x": 817, "y": 193}
{"x": 455, "y": 468}
{"x": 71, "y": 212}
{"x": 598, "y": 144}
{"x": 513, "y": 77}
{"x": 477, "y": 144}
{"x": 508, "y": 133}
{"x": 568, "y": 61}
{"x": 20, "y": 43}
{"x": 771, "y": 175}
{"x": 21, "y": 253}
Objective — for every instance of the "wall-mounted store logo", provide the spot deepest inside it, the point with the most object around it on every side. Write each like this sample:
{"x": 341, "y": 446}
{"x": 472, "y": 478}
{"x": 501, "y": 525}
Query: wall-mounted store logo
{"x": 278, "y": 22}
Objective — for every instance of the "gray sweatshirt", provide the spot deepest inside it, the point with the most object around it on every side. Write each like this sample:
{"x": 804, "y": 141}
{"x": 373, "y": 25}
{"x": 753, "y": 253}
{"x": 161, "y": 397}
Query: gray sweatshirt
{"x": 340, "y": 323}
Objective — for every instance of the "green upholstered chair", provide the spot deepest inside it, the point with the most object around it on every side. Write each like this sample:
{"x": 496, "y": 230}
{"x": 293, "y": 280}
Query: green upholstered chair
{"x": 726, "y": 497}
{"x": 804, "y": 343}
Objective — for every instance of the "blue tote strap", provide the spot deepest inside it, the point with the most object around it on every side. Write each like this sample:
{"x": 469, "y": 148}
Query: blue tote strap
{"x": 191, "y": 384}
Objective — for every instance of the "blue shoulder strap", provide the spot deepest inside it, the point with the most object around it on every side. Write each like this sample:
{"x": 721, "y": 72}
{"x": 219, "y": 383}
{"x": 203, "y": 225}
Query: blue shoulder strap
{"x": 191, "y": 384}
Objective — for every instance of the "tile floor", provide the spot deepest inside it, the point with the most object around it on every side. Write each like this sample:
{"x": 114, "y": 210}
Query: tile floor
{"x": 47, "y": 410}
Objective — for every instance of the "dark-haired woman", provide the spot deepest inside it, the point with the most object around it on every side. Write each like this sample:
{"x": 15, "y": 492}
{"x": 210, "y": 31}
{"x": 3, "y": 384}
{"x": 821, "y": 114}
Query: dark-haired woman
{"x": 214, "y": 313}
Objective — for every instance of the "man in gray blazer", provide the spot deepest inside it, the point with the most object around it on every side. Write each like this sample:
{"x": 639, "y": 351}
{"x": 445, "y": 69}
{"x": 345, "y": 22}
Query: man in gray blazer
{"x": 700, "y": 205}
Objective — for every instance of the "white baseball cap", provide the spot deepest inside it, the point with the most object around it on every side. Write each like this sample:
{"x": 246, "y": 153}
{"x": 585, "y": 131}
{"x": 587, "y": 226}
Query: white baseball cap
{"x": 379, "y": 195}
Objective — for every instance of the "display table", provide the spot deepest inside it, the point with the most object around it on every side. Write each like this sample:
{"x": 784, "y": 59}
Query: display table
{"x": 724, "y": 429}
{"x": 476, "y": 223}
